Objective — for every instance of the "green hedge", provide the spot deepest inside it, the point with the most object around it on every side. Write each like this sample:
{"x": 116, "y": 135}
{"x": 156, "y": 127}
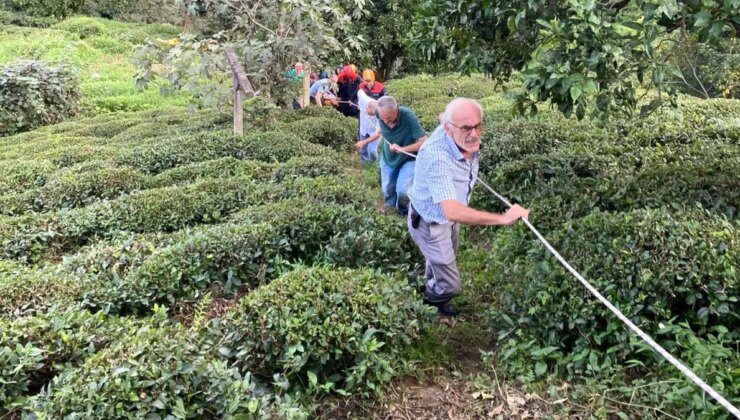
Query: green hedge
{"x": 308, "y": 167}
{"x": 78, "y": 187}
{"x": 34, "y": 94}
{"x": 25, "y": 291}
{"x": 219, "y": 168}
{"x": 46, "y": 8}
{"x": 307, "y": 113}
{"x": 251, "y": 251}
{"x": 34, "y": 349}
{"x": 186, "y": 149}
{"x": 655, "y": 265}
{"x": 339, "y": 134}
{"x": 21, "y": 175}
{"x": 162, "y": 370}
{"x": 132, "y": 274}
{"x": 325, "y": 329}
{"x": 22, "y": 19}
{"x": 29, "y": 238}
{"x": 575, "y": 180}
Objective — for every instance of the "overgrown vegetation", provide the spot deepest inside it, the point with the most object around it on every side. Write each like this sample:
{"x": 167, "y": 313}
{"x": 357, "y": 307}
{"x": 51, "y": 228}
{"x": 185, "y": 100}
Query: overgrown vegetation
{"x": 34, "y": 94}
{"x": 98, "y": 51}
{"x": 151, "y": 263}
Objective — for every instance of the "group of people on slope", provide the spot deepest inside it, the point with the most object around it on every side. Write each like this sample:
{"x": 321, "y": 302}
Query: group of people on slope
{"x": 432, "y": 190}
{"x": 352, "y": 95}
{"x": 427, "y": 179}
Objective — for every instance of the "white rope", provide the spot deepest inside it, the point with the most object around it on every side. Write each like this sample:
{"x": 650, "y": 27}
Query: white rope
{"x": 657, "y": 347}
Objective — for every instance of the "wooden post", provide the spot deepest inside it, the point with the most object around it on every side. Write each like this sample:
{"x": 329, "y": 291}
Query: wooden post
{"x": 306, "y": 97}
{"x": 241, "y": 85}
{"x": 238, "y": 107}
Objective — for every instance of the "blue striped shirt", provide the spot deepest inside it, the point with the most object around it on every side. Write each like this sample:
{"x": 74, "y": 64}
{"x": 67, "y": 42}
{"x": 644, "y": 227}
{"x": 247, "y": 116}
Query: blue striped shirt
{"x": 441, "y": 173}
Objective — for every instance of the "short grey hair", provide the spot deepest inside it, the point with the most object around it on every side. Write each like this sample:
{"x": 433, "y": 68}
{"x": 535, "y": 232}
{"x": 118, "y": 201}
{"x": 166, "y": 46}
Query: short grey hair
{"x": 456, "y": 103}
{"x": 387, "y": 102}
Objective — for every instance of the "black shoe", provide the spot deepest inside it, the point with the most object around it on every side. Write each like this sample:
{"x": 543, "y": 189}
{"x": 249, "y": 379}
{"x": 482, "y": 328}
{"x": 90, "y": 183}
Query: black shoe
{"x": 447, "y": 309}
{"x": 431, "y": 303}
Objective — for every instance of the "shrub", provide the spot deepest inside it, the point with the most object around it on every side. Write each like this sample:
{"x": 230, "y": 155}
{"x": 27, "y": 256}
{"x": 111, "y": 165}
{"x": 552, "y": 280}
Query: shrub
{"x": 325, "y": 329}
{"x": 339, "y": 134}
{"x": 21, "y": 175}
{"x": 231, "y": 255}
{"x": 30, "y": 238}
{"x": 272, "y": 146}
{"x": 55, "y": 8}
{"x": 306, "y": 113}
{"x": 77, "y": 187}
{"x": 33, "y": 94}
{"x": 576, "y": 179}
{"x": 133, "y": 275}
{"x": 656, "y": 266}
{"x": 18, "y": 204}
{"x": 307, "y": 167}
{"x": 84, "y": 27}
{"x": 219, "y": 168}
{"x": 109, "y": 261}
{"x": 25, "y": 290}
{"x": 34, "y": 349}
{"x": 332, "y": 189}
{"x": 162, "y": 370}
{"x": 22, "y": 19}
{"x": 186, "y": 149}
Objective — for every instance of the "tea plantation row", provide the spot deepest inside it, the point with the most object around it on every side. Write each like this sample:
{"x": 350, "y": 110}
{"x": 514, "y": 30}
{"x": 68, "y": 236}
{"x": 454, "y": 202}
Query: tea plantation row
{"x": 106, "y": 219}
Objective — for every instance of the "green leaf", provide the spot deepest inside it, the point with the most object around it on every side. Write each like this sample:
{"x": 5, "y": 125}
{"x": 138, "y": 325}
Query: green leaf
{"x": 540, "y": 368}
{"x": 702, "y": 19}
{"x": 575, "y": 92}
{"x": 312, "y": 379}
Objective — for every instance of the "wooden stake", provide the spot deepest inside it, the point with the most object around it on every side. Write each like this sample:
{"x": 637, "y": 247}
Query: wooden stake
{"x": 238, "y": 107}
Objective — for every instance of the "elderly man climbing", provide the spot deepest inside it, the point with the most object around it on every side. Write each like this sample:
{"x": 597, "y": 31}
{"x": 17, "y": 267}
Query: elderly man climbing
{"x": 367, "y": 145}
{"x": 400, "y": 127}
{"x": 446, "y": 170}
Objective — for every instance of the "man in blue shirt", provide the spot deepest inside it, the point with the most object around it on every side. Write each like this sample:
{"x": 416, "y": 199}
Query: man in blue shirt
{"x": 321, "y": 87}
{"x": 446, "y": 170}
{"x": 400, "y": 127}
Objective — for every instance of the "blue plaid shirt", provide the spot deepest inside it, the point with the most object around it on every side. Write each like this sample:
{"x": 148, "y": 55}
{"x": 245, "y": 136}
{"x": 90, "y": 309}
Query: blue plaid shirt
{"x": 441, "y": 173}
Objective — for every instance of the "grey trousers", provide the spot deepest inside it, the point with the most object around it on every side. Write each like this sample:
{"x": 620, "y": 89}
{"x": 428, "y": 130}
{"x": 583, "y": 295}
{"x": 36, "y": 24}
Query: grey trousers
{"x": 438, "y": 243}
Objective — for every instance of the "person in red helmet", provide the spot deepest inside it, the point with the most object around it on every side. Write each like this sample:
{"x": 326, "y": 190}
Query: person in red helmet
{"x": 349, "y": 82}
{"x": 370, "y": 86}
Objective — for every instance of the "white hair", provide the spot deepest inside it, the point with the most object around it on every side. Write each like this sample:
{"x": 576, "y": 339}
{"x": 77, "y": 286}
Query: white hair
{"x": 387, "y": 102}
{"x": 455, "y": 104}
{"x": 370, "y": 103}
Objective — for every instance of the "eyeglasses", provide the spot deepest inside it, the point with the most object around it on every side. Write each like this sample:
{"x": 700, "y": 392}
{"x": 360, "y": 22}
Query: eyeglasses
{"x": 467, "y": 129}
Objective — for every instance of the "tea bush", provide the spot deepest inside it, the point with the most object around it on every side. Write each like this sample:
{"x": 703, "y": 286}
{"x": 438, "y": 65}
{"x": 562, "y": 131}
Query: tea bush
{"x": 29, "y": 238}
{"x": 54, "y": 8}
{"x": 227, "y": 167}
{"x": 342, "y": 329}
{"x": 27, "y": 291}
{"x": 22, "y": 19}
{"x": 187, "y": 149}
{"x": 161, "y": 370}
{"x": 33, "y": 94}
{"x": 307, "y": 167}
{"x": 36, "y": 348}
{"x": 339, "y": 134}
{"x": 657, "y": 266}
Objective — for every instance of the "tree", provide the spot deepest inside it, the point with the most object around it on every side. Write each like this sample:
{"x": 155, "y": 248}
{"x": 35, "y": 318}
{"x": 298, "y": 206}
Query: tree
{"x": 577, "y": 54}
{"x": 268, "y": 35}
{"x": 383, "y": 30}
